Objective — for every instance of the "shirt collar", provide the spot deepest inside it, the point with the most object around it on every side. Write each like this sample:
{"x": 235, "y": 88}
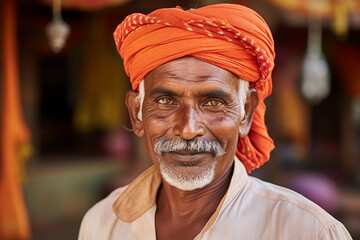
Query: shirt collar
{"x": 141, "y": 194}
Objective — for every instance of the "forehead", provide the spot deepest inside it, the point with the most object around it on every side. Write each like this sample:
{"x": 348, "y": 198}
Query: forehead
{"x": 192, "y": 73}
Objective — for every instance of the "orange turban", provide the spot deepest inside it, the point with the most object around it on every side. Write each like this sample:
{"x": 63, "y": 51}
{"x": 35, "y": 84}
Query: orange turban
{"x": 229, "y": 36}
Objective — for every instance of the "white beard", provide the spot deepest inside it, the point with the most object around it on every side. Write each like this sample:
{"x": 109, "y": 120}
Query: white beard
{"x": 187, "y": 182}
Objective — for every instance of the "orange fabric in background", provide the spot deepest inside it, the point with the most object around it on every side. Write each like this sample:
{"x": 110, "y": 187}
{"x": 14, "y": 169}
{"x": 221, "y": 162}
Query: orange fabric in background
{"x": 14, "y": 223}
{"x": 229, "y": 36}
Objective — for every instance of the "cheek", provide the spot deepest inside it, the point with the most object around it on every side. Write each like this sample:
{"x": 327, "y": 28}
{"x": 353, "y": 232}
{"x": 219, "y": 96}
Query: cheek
{"x": 224, "y": 126}
{"x": 156, "y": 125}
{"x": 154, "y": 118}
{"x": 151, "y": 134}
{"x": 226, "y": 129}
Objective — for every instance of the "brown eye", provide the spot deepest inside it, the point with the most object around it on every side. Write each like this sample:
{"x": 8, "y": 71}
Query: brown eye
{"x": 165, "y": 101}
{"x": 213, "y": 103}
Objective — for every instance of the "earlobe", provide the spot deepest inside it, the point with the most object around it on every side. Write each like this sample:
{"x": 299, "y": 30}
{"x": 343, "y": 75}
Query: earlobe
{"x": 251, "y": 103}
{"x": 133, "y": 108}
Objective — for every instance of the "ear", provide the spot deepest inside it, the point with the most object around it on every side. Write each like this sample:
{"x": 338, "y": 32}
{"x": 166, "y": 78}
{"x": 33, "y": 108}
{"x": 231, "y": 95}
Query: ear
{"x": 133, "y": 108}
{"x": 251, "y": 103}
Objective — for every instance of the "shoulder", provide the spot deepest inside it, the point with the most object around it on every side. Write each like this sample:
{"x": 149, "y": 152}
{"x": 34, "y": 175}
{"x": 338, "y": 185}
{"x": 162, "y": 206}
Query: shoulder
{"x": 288, "y": 199}
{"x": 104, "y": 207}
{"x": 100, "y": 216}
{"x": 284, "y": 207}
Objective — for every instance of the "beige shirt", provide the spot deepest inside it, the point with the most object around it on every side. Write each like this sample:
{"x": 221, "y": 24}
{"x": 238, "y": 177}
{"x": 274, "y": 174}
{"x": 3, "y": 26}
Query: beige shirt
{"x": 251, "y": 209}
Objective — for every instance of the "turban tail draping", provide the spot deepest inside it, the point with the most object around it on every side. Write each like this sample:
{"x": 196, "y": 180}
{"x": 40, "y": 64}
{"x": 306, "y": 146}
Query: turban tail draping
{"x": 229, "y": 36}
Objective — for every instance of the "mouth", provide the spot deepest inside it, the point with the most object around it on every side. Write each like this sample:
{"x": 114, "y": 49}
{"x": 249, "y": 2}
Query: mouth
{"x": 187, "y": 158}
{"x": 186, "y": 152}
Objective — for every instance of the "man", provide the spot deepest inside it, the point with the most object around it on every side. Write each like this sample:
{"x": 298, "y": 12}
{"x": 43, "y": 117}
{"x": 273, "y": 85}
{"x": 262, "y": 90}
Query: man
{"x": 202, "y": 77}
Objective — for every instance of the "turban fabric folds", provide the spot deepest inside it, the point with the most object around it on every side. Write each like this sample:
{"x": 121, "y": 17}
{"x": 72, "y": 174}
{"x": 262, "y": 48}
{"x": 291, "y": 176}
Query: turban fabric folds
{"x": 229, "y": 36}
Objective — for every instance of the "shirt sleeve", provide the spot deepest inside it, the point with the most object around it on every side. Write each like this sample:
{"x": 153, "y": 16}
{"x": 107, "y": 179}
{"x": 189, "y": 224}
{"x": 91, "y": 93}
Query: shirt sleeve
{"x": 83, "y": 233}
{"x": 336, "y": 231}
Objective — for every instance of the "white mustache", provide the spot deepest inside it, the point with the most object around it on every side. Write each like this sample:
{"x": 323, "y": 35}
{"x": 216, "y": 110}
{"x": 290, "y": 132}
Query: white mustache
{"x": 198, "y": 145}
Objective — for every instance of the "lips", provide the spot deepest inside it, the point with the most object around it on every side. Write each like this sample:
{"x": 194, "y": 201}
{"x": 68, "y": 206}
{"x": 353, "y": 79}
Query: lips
{"x": 187, "y": 158}
{"x": 187, "y": 152}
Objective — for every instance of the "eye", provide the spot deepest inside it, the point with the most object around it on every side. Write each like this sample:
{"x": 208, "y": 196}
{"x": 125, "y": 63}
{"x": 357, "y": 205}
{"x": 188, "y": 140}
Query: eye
{"x": 165, "y": 101}
{"x": 213, "y": 103}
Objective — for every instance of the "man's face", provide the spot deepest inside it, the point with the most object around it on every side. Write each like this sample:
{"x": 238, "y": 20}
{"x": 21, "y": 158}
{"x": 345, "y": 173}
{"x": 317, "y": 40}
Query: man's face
{"x": 189, "y": 99}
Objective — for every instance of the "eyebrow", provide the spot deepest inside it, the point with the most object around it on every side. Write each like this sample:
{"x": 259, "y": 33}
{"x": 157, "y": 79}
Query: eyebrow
{"x": 216, "y": 94}
{"x": 162, "y": 91}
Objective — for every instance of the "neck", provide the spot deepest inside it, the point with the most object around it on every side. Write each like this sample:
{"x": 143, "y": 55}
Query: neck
{"x": 199, "y": 202}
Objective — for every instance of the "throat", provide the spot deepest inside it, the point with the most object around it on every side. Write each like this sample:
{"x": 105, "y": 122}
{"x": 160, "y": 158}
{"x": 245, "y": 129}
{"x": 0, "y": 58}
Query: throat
{"x": 183, "y": 219}
{"x": 183, "y": 214}
{"x": 178, "y": 227}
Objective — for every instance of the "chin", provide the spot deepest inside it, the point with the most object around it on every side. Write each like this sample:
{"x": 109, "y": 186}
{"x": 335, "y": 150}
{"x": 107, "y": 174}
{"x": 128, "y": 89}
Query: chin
{"x": 187, "y": 178}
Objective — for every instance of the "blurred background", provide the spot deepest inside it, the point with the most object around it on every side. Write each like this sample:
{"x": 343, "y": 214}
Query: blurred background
{"x": 65, "y": 138}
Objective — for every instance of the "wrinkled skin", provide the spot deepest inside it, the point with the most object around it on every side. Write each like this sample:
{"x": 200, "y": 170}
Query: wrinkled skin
{"x": 188, "y": 98}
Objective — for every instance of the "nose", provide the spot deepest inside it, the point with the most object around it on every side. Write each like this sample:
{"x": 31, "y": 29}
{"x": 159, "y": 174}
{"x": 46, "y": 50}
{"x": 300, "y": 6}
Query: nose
{"x": 189, "y": 123}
